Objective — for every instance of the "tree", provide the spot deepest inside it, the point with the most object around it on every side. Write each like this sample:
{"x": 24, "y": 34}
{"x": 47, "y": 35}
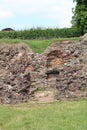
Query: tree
{"x": 79, "y": 19}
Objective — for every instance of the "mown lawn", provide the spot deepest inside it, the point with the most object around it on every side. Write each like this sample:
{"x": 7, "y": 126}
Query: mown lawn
{"x": 37, "y": 46}
{"x": 63, "y": 115}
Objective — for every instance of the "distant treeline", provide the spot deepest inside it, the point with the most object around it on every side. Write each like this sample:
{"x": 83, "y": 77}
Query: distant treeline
{"x": 39, "y": 33}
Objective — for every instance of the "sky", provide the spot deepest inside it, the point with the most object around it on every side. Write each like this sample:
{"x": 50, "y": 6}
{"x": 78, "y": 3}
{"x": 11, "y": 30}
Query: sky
{"x": 25, "y": 14}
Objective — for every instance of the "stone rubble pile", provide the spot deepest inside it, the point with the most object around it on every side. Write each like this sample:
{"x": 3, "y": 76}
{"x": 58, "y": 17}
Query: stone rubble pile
{"x": 62, "y": 68}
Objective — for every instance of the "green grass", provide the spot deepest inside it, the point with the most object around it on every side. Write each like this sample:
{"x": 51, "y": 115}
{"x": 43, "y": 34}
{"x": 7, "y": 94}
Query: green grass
{"x": 55, "y": 116}
{"x": 37, "y": 46}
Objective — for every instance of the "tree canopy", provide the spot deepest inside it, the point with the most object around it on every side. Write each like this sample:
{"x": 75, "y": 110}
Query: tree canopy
{"x": 79, "y": 19}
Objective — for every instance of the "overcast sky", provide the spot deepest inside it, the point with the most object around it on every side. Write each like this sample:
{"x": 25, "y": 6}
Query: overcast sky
{"x": 25, "y": 14}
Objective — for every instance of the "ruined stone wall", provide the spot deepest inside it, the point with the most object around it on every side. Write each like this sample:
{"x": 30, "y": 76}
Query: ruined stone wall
{"x": 14, "y": 79}
{"x": 66, "y": 63}
{"x": 62, "y": 68}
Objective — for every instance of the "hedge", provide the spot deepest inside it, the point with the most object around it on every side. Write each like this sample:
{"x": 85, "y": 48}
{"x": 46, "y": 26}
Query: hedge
{"x": 40, "y": 33}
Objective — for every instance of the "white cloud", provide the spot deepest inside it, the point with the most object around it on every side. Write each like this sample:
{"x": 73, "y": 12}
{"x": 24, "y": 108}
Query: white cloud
{"x": 28, "y": 6}
{"x": 5, "y": 14}
{"x": 60, "y": 11}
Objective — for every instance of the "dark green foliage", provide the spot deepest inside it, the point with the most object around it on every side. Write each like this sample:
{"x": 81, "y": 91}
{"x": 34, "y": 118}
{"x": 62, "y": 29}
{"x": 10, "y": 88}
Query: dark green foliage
{"x": 79, "y": 20}
{"x": 40, "y": 33}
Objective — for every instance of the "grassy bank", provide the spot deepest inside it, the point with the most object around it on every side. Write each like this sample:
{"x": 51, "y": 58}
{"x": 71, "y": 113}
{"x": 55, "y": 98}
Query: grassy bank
{"x": 54, "y": 116}
{"x": 37, "y": 46}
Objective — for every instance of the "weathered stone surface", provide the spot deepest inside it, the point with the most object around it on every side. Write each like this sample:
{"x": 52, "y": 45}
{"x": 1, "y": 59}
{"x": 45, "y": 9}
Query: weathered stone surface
{"x": 69, "y": 76}
{"x": 83, "y": 39}
{"x": 59, "y": 73}
{"x": 14, "y": 79}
